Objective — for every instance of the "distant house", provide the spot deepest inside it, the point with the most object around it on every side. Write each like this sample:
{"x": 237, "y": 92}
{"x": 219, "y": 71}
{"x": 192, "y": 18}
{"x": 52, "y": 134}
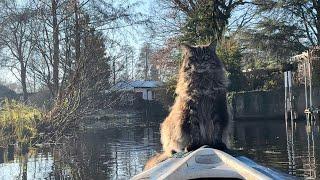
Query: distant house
{"x": 144, "y": 89}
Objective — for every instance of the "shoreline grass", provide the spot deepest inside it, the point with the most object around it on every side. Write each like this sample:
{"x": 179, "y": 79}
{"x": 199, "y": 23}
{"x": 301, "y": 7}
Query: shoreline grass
{"x": 18, "y": 122}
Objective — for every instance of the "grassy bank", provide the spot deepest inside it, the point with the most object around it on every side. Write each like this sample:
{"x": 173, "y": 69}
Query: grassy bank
{"x": 18, "y": 122}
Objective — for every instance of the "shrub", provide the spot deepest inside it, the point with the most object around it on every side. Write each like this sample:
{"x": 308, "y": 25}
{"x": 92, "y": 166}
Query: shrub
{"x": 18, "y": 122}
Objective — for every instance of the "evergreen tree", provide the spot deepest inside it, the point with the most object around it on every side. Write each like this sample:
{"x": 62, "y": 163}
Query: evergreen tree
{"x": 143, "y": 65}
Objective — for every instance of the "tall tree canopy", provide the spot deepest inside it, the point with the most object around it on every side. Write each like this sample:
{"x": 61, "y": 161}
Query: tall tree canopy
{"x": 199, "y": 21}
{"x": 304, "y": 15}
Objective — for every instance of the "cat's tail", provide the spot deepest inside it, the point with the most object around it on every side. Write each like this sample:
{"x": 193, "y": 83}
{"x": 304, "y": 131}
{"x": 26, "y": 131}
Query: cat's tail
{"x": 158, "y": 158}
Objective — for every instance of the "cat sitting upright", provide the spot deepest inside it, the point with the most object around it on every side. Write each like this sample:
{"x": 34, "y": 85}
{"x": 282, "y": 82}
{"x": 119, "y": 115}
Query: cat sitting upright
{"x": 199, "y": 115}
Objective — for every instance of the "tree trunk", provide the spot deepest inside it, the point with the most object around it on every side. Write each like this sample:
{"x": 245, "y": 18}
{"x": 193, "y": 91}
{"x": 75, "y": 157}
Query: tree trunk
{"x": 316, "y": 5}
{"x": 77, "y": 32}
{"x": 23, "y": 76}
{"x": 55, "y": 47}
{"x": 114, "y": 71}
{"x": 146, "y": 68}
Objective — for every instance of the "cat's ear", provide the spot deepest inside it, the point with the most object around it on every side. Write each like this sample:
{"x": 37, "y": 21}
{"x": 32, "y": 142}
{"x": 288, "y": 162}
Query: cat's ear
{"x": 212, "y": 45}
{"x": 186, "y": 47}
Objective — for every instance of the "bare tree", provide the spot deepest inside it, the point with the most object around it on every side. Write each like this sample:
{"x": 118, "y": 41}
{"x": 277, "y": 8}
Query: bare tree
{"x": 17, "y": 40}
{"x": 56, "y": 50}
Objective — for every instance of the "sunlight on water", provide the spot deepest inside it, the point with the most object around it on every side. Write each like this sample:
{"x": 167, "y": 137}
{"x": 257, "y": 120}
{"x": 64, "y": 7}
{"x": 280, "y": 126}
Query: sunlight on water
{"x": 118, "y": 149}
{"x": 30, "y": 168}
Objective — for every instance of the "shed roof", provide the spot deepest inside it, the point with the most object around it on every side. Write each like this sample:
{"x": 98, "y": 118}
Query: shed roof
{"x": 146, "y": 84}
{"x": 122, "y": 85}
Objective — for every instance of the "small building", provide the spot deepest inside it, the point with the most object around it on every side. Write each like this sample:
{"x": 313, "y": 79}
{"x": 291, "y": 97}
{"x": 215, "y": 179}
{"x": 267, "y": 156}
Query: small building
{"x": 144, "y": 89}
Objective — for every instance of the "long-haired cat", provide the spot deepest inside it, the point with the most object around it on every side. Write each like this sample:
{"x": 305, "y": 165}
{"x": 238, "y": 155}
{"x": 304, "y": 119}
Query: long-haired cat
{"x": 199, "y": 115}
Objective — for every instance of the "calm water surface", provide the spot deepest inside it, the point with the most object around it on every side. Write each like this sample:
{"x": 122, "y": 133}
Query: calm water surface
{"x": 117, "y": 148}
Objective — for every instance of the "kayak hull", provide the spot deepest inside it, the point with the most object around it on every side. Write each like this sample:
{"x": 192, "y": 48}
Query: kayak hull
{"x": 209, "y": 163}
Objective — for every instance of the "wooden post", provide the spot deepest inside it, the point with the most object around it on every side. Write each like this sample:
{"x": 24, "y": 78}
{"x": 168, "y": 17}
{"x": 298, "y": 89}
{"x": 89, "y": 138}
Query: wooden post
{"x": 286, "y": 95}
{"x": 305, "y": 85}
{"x": 290, "y": 95}
{"x": 310, "y": 80}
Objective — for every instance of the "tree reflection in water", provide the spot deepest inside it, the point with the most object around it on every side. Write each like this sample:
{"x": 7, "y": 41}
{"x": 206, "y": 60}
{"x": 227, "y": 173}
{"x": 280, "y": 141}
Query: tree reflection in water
{"x": 276, "y": 144}
{"x": 118, "y": 149}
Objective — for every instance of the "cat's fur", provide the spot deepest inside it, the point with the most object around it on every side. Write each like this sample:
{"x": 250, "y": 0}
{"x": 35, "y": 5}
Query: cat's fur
{"x": 199, "y": 115}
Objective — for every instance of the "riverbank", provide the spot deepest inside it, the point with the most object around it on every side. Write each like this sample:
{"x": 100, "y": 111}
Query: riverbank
{"x": 19, "y": 123}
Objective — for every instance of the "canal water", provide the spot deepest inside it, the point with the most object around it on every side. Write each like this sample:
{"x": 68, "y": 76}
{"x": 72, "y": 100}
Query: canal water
{"x": 117, "y": 148}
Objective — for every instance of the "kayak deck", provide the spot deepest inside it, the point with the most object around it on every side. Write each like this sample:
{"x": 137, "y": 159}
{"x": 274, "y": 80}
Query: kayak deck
{"x": 209, "y": 163}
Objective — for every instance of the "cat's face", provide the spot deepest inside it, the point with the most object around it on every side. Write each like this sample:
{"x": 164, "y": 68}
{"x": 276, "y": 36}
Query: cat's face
{"x": 200, "y": 59}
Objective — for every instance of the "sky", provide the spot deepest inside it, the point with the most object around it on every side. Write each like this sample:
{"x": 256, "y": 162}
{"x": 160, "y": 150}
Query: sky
{"x": 6, "y": 76}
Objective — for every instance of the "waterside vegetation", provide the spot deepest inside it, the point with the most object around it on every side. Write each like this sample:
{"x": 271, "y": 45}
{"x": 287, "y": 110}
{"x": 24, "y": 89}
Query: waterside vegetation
{"x": 18, "y": 122}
